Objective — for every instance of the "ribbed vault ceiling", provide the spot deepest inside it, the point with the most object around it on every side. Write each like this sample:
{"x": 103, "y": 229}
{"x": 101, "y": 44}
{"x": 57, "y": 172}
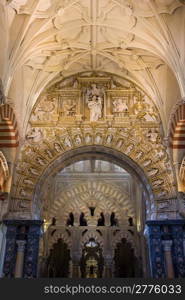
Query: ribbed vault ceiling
{"x": 50, "y": 39}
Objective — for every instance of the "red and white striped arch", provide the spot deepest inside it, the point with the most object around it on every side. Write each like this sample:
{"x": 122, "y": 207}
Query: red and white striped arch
{"x": 177, "y": 128}
{"x": 8, "y": 127}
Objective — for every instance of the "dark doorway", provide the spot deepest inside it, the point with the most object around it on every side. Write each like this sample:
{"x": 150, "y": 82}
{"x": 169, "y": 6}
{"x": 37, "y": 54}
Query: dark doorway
{"x": 126, "y": 263}
{"x": 57, "y": 264}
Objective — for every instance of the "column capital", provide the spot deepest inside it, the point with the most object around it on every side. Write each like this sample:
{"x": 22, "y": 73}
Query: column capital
{"x": 21, "y": 245}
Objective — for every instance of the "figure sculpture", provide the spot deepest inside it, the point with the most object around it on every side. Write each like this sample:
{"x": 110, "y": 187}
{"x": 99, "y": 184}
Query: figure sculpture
{"x": 94, "y": 99}
{"x": 119, "y": 106}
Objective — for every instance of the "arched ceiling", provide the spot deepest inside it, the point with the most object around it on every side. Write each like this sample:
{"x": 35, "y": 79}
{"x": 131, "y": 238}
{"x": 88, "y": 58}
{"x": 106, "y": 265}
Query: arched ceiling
{"x": 51, "y": 39}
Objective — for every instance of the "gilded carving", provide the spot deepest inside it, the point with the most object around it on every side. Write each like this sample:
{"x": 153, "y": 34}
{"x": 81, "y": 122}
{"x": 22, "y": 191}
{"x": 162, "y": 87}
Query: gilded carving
{"x": 118, "y": 120}
{"x": 33, "y": 171}
{"x": 35, "y": 135}
{"x": 67, "y": 108}
{"x": 57, "y": 147}
{"x": 120, "y": 106}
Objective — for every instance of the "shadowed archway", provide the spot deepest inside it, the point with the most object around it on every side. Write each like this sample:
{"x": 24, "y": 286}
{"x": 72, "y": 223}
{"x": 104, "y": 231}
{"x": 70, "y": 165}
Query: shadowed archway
{"x": 92, "y": 152}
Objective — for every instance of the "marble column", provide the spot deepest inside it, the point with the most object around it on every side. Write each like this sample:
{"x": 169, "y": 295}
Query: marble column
{"x": 107, "y": 219}
{"x": 108, "y": 267}
{"x": 76, "y": 219}
{"x": 75, "y": 251}
{"x": 168, "y": 258}
{"x": 70, "y": 269}
{"x": 19, "y": 258}
{"x": 76, "y": 273}
{"x": 161, "y": 231}
{"x": 31, "y": 234}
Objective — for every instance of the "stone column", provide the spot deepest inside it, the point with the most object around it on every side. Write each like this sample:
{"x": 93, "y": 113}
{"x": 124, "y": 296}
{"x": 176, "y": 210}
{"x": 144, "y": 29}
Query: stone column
{"x": 76, "y": 251}
{"x": 20, "y": 258}
{"x": 10, "y": 251}
{"x": 107, "y": 219}
{"x": 108, "y": 267}
{"x": 76, "y": 269}
{"x": 166, "y": 230}
{"x": 28, "y": 230}
{"x": 32, "y": 253}
{"x": 143, "y": 247}
{"x": 76, "y": 219}
{"x": 177, "y": 229}
{"x": 168, "y": 258}
{"x": 70, "y": 269}
{"x": 156, "y": 253}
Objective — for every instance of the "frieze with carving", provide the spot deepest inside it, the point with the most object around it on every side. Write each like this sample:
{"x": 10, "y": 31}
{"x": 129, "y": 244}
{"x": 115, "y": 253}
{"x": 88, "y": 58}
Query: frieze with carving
{"x": 94, "y": 110}
{"x": 93, "y": 99}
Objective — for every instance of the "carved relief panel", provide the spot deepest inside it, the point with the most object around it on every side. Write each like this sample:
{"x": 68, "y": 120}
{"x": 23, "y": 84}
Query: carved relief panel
{"x": 68, "y": 105}
{"x": 92, "y": 110}
{"x": 93, "y": 99}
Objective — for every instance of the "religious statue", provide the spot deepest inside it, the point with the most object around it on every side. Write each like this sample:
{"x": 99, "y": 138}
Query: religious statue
{"x": 147, "y": 162}
{"x": 139, "y": 107}
{"x": 35, "y": 135}
{"x": 112, "y": 84}
{"x": 67, "y": 142}
{"x": 109, "y": 139}
{"x": 139, "y": 154}
{"x": 98, "y": 139}
{"x": 153, "y": 172}
{"x": 44, "y": 110}
{"x": 33, "y": 171}
{"x": 75, "y": 84}
{"x": 41, "y": 161}
{"x": 119, "y": 106}
{"x": 119, "y": 143}
{"x": 68, "y": 108}
{"x": 152, "y": 135}
{"x": 57, "y": 147}
{"x": 28, "y": 181}
{"x": 95, "y": 107}
{"x": 94, "y": 98}
{"x": 78, "y": 140}
{"x": 88, "y": 138}
{"x": 48, "y": 153}
{"x": 129, "y": 149}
